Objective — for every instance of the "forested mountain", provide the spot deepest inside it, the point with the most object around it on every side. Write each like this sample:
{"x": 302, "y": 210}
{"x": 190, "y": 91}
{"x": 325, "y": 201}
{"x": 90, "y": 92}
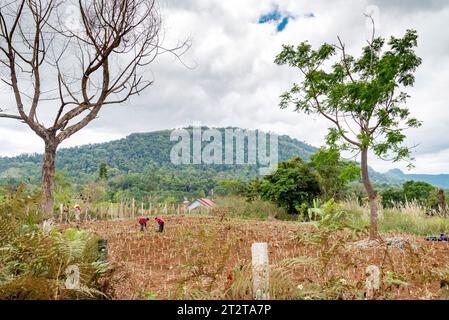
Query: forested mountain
{"x": 439, "y": 180}
{"x": 137, "y": 153}
{"x": 146, "y": 157}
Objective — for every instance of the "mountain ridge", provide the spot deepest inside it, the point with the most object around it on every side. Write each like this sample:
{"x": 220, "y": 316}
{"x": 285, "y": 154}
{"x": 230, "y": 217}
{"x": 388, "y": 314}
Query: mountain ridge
{"x": 137, "y": 152}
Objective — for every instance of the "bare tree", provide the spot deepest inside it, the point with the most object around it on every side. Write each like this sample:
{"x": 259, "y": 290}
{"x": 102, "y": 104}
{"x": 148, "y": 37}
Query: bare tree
{"x": 74, "y": 67}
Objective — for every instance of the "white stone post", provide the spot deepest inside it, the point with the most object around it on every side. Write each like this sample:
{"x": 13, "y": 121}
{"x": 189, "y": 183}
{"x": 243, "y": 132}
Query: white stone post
{"x": 261, "y": 271}
{"x": 372, "y": 282}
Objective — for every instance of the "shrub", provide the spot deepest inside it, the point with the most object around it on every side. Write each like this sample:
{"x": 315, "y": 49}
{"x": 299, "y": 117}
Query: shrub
{"x": 33, "y": 262}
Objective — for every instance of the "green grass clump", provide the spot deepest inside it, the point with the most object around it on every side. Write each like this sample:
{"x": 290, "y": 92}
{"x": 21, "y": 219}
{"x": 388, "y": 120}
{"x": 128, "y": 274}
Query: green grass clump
{"x": 239, "y": 207}
{"x": 422, "y": 225}
{"x": 409, "y": 219}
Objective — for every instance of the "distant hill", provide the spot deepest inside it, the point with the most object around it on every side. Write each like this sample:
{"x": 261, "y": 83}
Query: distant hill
{"x": 150, "y": 152}
{"x": 134, "y": 154}
{"x": 438, "y": 180}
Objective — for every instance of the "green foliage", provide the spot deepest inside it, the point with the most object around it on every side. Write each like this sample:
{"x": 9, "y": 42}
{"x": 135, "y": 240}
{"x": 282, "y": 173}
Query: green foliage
{"x": 333, "y": 174}
{"x": 291, "y": 186}
{"x": 253, "y": 189}
{"x": 239, "y": 207}
{"x": 21, "y": 205}
{"x": 150, "y": 296}
{"x": 361, "y": 97}
{"x": 33, "y": 263}
{"x": 363, "y": 89}
{"x": 296, "y": 184}
{"x": 139, "y": 166}
{"x": 410, "y": 219}
{"x": 418, "y": 191}
{"x": 229, "y": 187}
{"x": 94, "y": 192}
{"x": 103, "y": 171}
{"x": 392, "y": 197}
{"x": 64, "y": 190}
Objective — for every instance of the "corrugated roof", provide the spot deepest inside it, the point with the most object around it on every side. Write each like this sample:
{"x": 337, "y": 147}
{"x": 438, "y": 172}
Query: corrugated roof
{"x": 206, "y": 202}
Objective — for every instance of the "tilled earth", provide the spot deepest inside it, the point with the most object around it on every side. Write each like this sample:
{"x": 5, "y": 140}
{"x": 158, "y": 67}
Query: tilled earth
{"x": 201, "y": 254}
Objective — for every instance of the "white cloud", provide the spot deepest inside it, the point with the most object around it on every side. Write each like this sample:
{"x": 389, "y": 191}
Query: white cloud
{"x": 236, "y": 83}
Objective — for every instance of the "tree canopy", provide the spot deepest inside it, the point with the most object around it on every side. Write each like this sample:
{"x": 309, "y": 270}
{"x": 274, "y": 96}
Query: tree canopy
{"x": 362, "y": 98}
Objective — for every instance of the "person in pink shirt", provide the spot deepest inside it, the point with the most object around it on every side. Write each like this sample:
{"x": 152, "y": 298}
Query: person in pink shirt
{"x": 161, "y": 222}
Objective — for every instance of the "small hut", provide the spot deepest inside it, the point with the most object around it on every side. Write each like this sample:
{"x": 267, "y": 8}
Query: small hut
{"x": 201, "y": 203}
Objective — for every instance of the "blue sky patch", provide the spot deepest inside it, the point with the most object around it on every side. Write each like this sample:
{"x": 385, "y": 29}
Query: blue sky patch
{"x": 283, "y": 24}
{"x": 275, "y": 16}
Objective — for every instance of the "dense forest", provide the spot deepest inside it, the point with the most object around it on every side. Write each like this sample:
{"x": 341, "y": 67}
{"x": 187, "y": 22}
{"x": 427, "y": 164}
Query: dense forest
{"x": 140, "y": 165}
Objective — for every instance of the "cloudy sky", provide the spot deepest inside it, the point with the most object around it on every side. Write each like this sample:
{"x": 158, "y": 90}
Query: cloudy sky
{"x": 234, "y": 82}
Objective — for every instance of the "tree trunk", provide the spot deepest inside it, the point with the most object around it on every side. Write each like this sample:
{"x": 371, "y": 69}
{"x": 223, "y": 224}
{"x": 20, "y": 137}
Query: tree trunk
{"x": 372, "y": 196}
{"x": 48, "y": 178}
{"x": 442, "y": 206}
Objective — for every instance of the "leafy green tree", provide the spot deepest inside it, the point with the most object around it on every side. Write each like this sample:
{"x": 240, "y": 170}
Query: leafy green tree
{"x": 292, "y": 186}
{"x": 437, "y": 202}
{"x": 64, "y": 190}
{"x": 103, "y": 171}
{"x": 361, "y": 97}
{"x": 253, "y": 189}
{"x": 417, "y": 191}
{"x": 334, "y": 174}
{"x": 392, "y": 197}
{"x": 94, "y": 192}
{"x": 229, "y": 187}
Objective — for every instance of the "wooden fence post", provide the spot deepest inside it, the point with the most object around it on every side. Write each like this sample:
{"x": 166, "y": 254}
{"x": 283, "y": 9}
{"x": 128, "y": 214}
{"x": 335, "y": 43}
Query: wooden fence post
{"x": 442, "y": 203}
{"x": 133, "y": 207}
{"x": 261, "y": 272}
{"x": 61, "y": 212}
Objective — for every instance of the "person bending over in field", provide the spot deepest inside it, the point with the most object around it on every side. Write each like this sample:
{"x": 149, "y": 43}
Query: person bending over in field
{"x": 77, "y": 213}
{"x": 161, "y": 222}
{"x": 143, "y": 223}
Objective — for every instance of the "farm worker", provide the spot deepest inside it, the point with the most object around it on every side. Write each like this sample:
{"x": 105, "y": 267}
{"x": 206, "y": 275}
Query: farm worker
{"x": 160, "y": 221}
{"x": 77, "y": 213}
{"x": 143, "y": 223}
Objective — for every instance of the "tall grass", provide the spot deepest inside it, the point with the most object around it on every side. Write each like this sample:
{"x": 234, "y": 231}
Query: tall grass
{"x": 409, "y": 218}
{"x": 239, "y": 207}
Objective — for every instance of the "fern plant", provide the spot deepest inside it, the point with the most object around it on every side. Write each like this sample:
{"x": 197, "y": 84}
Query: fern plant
{"x": 33, "y": 263}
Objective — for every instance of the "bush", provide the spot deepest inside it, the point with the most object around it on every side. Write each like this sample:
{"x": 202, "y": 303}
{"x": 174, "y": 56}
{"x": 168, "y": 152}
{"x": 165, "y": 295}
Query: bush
{"x": 33, "y": 262}
{"x": 292, "y": 186}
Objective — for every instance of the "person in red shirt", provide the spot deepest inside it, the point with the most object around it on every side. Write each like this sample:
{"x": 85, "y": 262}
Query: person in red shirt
{"x": 143, "y": 223}
{"x": 161, "y": 222}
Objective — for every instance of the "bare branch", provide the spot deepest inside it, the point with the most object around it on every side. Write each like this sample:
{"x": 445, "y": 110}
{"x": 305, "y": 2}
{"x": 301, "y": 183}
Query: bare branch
{"x": 101, "y": 63}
